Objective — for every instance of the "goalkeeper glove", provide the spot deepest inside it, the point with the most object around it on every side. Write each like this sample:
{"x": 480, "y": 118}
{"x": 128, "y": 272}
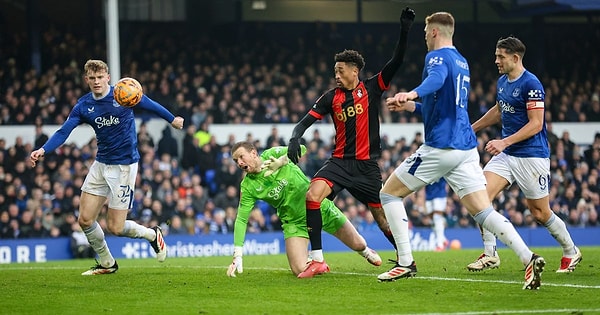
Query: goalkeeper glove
{"x": 294, "y": 151}
{"x": 407, "y": 18}
{"x": 273, "y": 164}
{"x": 236, "y": 265}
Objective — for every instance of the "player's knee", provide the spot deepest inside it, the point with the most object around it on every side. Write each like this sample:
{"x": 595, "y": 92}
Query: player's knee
{"x": 115, "y": 229}
{"x": 541, "y": 216}
{"x": 84, "y": 223}
{"x": 313, "y": 196}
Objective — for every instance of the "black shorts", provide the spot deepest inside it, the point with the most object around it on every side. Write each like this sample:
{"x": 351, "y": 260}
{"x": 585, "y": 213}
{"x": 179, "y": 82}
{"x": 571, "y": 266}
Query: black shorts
{"x": 362, "y": 179}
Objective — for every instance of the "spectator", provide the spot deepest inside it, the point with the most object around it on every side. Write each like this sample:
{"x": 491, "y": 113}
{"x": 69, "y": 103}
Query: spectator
{"x": 26, "y": 224}
{"x": 145, "y": 141}
{"x": 256, "y": 222}
{"x": 227, "y": 198}
{"x": 40, "y": 136}
{"x": 176, "y": 227}
{"x": 4, "y": 224}
{"x": 199, "y": 198}
{"x": 217, "y": 224}
{"x": 167, "y": 144}
{"x": 274, "y": 139}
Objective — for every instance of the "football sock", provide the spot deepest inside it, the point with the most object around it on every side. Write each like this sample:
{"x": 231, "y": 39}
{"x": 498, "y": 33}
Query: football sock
{"x": 364, "y": 252}
{"x": 558, "y": 230}
{"x": 396, "y": 215}
{"x": 314, "y": 222}
{"x": 95, "y": 237}
{"x": 499, "y": 225}
{"x": 438, "y": 228}
{"x": 489, "y": 243}
{"x": 134, "y": 230}
{"x": 317, "y": 255}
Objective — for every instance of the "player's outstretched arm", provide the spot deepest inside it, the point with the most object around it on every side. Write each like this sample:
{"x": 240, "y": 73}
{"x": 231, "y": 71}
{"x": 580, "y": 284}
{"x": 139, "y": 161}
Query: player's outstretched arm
{"x": 406, "y": 20}
{"x": 395, "y": 106}
{"x": 491, "y": 117}
{"x": 294, "y": 149}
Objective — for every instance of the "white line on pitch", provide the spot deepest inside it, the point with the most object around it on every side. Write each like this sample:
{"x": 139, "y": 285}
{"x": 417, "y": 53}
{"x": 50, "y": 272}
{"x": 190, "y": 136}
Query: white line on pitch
{"x": 567, "y": 285}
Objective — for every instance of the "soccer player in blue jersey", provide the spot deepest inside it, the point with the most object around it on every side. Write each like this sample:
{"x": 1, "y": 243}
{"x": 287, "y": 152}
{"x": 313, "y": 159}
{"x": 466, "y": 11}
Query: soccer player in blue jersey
{"x": 436, "y": 198}
{"x": 449, "y": 151}
{"x": 354, "y": 107}
{"x": 113, "y": 173}
{"x": 522, "y": 155}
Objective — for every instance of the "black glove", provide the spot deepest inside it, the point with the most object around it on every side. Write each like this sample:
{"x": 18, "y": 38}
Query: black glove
{"x": 407, "y": 18}
{"x": 294, "y": 151}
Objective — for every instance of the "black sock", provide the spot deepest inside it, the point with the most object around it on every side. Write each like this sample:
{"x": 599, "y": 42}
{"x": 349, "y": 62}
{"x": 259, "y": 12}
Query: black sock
{"x": 314, "y": 222}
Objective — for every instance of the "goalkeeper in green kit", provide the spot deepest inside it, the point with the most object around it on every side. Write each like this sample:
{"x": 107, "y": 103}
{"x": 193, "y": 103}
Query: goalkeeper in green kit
{"x": 269, "y": 177}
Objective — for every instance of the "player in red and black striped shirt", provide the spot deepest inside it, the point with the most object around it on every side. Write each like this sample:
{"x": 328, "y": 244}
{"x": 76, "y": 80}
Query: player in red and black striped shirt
{"x": 354, "y": 108}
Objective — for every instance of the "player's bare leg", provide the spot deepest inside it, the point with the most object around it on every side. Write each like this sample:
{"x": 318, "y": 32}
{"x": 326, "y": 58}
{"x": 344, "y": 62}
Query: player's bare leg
{"x": 351, "y": 238}
{"x": 296, "y": 249}
{"x": 89, "y": 209}
{"x": 382, "y": 222}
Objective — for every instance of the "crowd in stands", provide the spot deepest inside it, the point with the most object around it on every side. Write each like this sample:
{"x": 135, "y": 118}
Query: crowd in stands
{"x": 192, "y": 186}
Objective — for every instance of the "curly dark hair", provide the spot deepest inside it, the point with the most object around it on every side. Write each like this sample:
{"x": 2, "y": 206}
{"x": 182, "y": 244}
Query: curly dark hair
{"x": 351, "y": 56}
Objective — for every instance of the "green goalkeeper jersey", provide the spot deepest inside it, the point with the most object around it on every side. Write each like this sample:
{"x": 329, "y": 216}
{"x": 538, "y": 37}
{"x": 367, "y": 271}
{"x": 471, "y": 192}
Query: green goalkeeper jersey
{"x": 285, "y": 190}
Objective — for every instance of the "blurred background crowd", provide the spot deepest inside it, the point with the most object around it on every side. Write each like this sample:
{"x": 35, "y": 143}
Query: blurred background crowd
{"x": 254, "y": 75}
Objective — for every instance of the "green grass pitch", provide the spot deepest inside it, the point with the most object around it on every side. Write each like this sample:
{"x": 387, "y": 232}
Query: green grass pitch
{"x": 200, "y": 286}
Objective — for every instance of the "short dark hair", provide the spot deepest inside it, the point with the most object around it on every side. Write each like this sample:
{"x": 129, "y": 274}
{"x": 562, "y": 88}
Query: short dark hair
{"x": 512, "y": 45}
{"x": 351, "y": 56}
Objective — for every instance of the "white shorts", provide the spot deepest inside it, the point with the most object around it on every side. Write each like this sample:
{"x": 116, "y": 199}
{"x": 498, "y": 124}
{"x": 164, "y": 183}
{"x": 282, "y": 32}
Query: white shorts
{"x": 117, "y": 182}
{"x": 460, "y": 169}
{"x": 532, "y": 175}
{"x": 436, "y": 204}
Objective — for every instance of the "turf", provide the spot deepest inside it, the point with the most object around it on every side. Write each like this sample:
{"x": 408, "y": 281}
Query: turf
{"x": 200, "y": 286}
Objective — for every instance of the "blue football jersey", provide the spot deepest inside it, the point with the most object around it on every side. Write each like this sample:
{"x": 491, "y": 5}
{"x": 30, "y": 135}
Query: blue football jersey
{"x": 445, "y": 94}
{"x": 436, "y": 190}
{"x": 113, "y": 124}
{"x": 515, "y": 98}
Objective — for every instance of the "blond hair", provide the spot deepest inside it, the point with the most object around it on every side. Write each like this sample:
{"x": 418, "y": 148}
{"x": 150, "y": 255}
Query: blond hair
{"x": 92, "y": 66}
{"x": 444, "y": 22}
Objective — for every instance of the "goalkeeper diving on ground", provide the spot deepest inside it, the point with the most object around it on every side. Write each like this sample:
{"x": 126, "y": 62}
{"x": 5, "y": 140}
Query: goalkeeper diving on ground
{"x": 269, "y": 177}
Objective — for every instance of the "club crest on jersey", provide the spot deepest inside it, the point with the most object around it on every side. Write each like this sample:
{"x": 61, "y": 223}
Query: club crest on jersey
{"x": 359, "y": 93}
{"x": 115, "y": 104}
{"x": 516, "y": 92}
{"x": 90, "y": 109}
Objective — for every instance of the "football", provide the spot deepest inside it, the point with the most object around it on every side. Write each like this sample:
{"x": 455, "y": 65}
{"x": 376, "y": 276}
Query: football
{"x": 128, "y": 92}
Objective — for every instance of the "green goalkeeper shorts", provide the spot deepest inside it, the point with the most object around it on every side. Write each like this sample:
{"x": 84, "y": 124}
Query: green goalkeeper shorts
{"x": 333, "y": 220}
